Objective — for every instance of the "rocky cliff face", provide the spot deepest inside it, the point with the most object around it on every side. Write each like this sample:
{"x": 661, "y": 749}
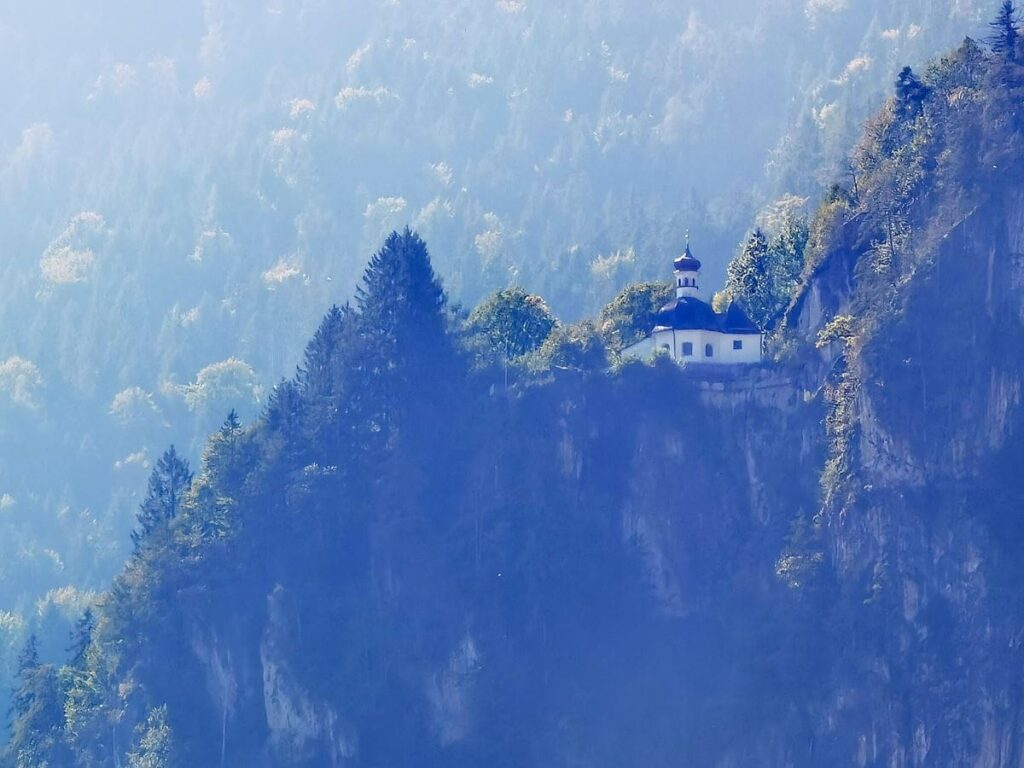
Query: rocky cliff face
{"x": 923, "y": 541}
{"x": 652, "y": 566}
{"x": 808, "y": 564}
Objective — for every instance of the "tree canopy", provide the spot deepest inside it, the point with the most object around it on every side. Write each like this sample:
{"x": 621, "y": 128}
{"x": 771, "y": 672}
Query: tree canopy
{"x": 513, "y": 322}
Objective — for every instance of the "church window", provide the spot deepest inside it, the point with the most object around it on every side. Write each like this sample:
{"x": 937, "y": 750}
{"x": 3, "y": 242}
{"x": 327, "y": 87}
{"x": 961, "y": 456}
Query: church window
{"x": 709, "y": 351}
{"x": 687, "y": 349}
{"x": 737, "y": 344}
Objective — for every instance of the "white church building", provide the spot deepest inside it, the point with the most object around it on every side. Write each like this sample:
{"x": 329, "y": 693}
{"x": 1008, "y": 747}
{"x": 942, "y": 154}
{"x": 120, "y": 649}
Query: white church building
{"x": 690, "y": 331}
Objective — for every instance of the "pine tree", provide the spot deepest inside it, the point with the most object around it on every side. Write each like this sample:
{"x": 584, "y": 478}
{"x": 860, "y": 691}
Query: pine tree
{"x": 28, "y": 661}
{"x": 403, "y": 346}
{"x": 1005, "y": 31}
{"x": 320, "y": 372}
{"x": 168, "y": 485}
{"x": 750, "y": 279}
{"x": 401, "y": 301}
{"x": 325, "y": 380}
{"x": 37, "y": 737}
{"x": 81, "y": 638}
{"x": 787, "y": 256}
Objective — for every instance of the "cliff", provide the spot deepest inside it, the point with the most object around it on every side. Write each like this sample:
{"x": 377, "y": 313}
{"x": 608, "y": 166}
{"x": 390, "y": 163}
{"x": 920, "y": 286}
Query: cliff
{"x": 810, "y": 563}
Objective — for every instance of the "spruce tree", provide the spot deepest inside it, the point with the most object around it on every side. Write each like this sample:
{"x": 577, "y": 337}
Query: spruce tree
{"x": 81, "y": 637}
{"x": 37, "y": 727}
{"x": 750, "y": 279}
{"x": 403, "y": 346}
{"x": 325, "y": 380}
{"x": 168, "y": 485}
{"x": 1005, "y": 31}
{"x": 28, "y": 661}
{"x": 320, "y": 372}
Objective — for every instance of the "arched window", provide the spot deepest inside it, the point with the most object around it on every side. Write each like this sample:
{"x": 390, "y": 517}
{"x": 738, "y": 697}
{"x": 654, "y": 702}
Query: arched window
{"x": 687, "y": 349}
{"x": 709, "y": 351}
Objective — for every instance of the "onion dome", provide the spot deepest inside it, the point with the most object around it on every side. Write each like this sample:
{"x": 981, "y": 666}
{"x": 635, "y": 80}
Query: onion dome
{"x": 686, "y": 262}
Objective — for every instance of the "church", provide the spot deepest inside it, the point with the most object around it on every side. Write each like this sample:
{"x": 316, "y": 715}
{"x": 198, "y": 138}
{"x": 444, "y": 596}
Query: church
{"x": 690, "y": 331}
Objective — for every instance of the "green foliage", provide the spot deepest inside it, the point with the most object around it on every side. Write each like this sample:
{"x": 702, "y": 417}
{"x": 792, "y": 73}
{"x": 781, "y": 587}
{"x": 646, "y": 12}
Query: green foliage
{"x": 169, "y": 484}
{"x": 764, "y": 275}
{"x": 840, "y": 328}
{"x": 513, "y": 322}
{"x": 1005, "y": 33}
{"x": 37, "y": 735}
{"x": 575, "y": 347}
{"x": 629, "y": 317}
{"x": 802, "y": 559}
{"x": 153, "y": 741}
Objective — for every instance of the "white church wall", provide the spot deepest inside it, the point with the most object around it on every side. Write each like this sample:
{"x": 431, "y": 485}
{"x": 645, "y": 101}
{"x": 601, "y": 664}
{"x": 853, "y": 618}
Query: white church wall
{"x": 673, "y": 342}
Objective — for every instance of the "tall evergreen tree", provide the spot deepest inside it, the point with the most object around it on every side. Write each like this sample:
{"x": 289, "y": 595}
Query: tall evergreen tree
{"x": 403, "y": 341}
{"x": 325, "y": 380}
{"x": 168, "y": 485}
{"x": 1005, "y": 31}
{"x": 81, "y": 637}
{"x": 37, "y": 739}
{"x": 320, "y": 372}
{"x": 750, "y": 280}
{"x": 28, "y": 660}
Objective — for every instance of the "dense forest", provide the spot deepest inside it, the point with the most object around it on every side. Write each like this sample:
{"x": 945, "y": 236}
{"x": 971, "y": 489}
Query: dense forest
{"x": 464, "y": 538}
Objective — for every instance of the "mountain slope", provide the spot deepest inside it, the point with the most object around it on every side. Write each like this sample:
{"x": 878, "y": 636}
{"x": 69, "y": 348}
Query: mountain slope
{"x": 407, "y": 559}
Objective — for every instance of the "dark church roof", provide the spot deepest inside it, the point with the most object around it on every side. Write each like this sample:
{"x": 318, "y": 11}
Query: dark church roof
{"x": 735, "y": 320}
{"x": 689, "y": 313}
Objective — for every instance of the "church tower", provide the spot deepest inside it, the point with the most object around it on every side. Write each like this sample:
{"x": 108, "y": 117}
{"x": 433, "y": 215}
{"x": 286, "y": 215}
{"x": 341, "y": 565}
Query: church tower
{"x": 687, "y": 271}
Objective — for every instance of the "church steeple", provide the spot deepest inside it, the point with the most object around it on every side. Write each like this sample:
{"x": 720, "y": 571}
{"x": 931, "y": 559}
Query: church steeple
{"x": 687, "y": 270}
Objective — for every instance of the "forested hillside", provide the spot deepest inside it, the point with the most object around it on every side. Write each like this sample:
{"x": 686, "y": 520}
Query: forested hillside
{"x": 485, "y": 540}
{"x": 186, "y": 186}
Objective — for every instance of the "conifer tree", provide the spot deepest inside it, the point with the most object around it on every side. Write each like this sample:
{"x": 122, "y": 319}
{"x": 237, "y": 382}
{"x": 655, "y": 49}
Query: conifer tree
{"x": 401, "y": 300}
{"x": 325, "y": 380}
{"x": 1005, "y": 31}
{"x": 750, "y": 280}
{"x": 38, "y": 715}
{"x": 28, "y": 660}
{"x": 168, "y": 485}
{"x": 81, "y": 637}
{"x": 403, "y": 344}
{"x": 321, "y": 369}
